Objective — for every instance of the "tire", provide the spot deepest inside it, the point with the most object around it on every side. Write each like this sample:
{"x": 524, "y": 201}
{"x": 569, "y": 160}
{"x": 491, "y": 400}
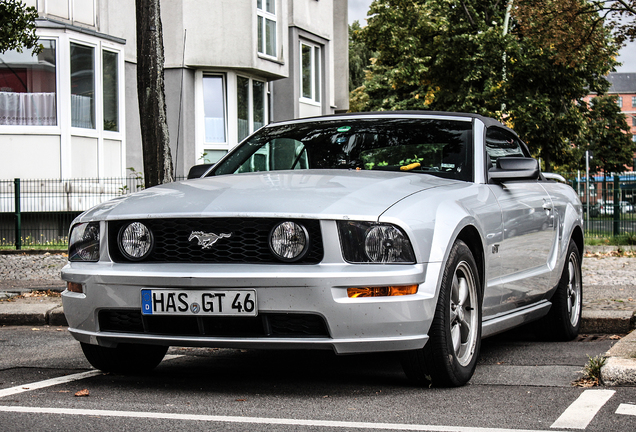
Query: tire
{"x": 450, "y": 356}
{"x": 127, "y": 359}
{"x": 563, "y": 321}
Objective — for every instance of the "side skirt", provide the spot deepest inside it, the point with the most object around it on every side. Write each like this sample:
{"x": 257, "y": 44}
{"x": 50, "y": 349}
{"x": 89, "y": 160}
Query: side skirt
{"x": 517, "y": 317}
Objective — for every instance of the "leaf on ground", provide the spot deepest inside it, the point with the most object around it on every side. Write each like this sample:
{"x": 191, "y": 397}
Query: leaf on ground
{"x": 82, "y": 393}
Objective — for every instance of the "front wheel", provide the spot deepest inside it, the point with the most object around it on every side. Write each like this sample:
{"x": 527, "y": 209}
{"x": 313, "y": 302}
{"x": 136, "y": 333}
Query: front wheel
{"x": 450, "y": 356}
{"x": 126, "y": 359}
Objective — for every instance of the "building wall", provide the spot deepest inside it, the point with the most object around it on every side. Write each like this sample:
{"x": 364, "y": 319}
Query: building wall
{"x": 624, "y": 88}
{"x": 203, "y": 41}
{"x": 81, "y": 137}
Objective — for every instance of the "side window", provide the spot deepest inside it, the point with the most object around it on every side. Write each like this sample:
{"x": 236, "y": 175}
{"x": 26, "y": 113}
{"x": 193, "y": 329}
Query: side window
{"x": 500, "y": 143}
{"x": 278, "y": 154}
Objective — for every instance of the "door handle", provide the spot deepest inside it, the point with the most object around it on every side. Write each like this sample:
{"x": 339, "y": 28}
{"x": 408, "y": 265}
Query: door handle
{"x": 547, "y": 205}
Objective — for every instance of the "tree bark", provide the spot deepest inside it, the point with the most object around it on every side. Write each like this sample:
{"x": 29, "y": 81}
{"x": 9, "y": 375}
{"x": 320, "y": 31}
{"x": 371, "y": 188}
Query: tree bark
{"x": 151, "y": 94}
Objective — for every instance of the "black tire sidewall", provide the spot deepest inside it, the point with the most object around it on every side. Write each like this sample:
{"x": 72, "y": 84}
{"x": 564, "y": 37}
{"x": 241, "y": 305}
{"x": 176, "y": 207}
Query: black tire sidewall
{"x": 560, "y": 316}
{"x": 446, "y": 369}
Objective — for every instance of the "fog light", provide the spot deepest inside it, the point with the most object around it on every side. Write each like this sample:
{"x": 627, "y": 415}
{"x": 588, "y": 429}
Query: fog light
{"x": 385, "y": 291}
{"x": 74, "y": 287}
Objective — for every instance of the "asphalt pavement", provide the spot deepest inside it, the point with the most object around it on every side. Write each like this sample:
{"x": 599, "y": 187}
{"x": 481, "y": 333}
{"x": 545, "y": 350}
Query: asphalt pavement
{"x": 30, "y": 288}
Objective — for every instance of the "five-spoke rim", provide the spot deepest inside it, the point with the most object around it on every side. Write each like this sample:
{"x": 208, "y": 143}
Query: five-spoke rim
{"x": 463, "y": 313}
{"x": 573, "y": 289}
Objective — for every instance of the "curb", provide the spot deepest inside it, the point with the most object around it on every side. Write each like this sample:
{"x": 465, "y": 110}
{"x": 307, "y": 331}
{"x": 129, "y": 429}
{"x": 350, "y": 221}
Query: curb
{"x": 606, "y": 321}
{"x": 52, "y": 314}
{"x": 620, "y": 367}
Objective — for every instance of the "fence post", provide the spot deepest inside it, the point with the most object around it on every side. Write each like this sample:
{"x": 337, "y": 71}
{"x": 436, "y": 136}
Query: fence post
{"x": 18, "y": 215}
{"x": 617, "y": 205}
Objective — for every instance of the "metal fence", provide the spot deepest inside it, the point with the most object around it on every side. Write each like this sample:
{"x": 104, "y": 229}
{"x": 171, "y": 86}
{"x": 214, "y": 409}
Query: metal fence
{"x": 609, "y": 203}
{"x": 39, "y": 212}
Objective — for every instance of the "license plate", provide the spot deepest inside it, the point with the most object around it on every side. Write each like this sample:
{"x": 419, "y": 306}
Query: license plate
{"x": 191, "y": 302}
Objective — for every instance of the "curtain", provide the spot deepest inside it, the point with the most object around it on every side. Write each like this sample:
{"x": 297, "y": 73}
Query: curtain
{"x": 27, "y": 109}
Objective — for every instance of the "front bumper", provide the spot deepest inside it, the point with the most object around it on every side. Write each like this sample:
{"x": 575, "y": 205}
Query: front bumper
{"x": 353, "y": 325}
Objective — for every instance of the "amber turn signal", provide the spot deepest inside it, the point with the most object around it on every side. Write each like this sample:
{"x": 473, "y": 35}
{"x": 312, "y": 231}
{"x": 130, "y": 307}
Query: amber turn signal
{"x": 384, "y": 291}
{"x": 74, "y": 287}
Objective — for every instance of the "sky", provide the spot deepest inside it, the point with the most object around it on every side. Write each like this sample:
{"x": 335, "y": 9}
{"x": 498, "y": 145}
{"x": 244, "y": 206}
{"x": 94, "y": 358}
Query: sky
{"x": 358, "y": 11}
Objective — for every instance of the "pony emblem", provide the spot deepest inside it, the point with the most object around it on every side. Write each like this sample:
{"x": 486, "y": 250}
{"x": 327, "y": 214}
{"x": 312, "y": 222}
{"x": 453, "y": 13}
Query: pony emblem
{"x": 207, "y": 239}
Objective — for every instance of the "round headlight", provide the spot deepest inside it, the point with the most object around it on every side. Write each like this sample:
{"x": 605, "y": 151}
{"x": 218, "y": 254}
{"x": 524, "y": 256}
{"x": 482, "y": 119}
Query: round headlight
{"x": 289, "y": 241}
{"x": 135, "y": 241}
{"x": 384, "y": 243}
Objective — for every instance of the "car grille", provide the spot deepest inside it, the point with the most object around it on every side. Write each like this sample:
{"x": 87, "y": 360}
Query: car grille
{"x": 264, "y": 325}
{"x": 249, "y": 242}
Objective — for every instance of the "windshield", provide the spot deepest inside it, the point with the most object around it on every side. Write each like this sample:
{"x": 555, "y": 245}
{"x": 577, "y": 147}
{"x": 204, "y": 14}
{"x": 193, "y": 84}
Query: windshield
{"x": 431, "y": 146}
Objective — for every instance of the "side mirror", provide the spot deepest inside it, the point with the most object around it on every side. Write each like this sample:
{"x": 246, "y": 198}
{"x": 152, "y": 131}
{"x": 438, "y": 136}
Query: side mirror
{"x": 514, "y": 168}
{"x": 198, "y": 170}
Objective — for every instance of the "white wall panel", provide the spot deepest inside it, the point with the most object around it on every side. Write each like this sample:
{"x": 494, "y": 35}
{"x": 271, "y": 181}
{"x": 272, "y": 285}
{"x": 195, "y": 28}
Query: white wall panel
{"x": 30, "y": 156}
{"x": 112, "y": 159}
{"x": 84, "y": 12}
{"x": 84, "y": 157}
{"x": 59, "y": 8}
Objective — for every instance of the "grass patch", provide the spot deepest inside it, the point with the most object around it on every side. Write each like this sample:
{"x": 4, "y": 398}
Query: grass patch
{"x": 62, "y": 246}
{"x": 627, "y": 239}
{"x": 592, "y": 372}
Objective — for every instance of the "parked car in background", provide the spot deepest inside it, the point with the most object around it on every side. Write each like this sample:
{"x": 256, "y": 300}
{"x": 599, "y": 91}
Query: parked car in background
{"x": 607, "y": 207}
{"x": 413, "y": 232}
{"x": 594, "y": 210}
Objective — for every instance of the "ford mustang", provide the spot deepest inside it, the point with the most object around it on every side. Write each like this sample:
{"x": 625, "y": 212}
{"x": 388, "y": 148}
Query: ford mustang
{"x": 414, "y": 232}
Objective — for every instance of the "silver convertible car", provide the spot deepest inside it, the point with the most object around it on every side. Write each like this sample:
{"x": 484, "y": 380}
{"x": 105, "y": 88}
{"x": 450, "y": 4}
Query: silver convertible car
{"x": 414, "y": 232}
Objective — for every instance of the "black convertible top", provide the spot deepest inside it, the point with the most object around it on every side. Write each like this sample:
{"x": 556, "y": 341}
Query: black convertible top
{"x": 488, "y": 121}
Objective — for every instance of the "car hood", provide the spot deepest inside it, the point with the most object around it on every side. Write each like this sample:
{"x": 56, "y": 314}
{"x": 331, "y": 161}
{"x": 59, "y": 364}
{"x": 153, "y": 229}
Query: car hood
{"x": 328, "y": 194}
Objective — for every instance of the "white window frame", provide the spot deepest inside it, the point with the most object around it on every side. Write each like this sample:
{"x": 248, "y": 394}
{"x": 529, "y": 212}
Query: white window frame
{"x": 224, "y": 87}
{"x": 619, "y": 101}
{"x": 250, "y": 96}
{"x": 43, "y": 130}
{"x": 64, "y": 129}
{"x": 120, "y": 92}
{"x": 231, "y": 110}
{"x": 262, "y": 15}
{"x": 97, "y": 63}
{"x": 316, "y": 73}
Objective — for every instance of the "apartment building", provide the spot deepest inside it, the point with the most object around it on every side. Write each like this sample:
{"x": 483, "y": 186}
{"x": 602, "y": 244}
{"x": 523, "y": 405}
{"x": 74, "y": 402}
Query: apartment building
{"x": 231, "y": 66}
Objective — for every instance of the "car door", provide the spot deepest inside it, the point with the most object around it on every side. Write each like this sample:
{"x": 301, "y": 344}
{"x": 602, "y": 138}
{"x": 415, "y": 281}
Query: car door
{"x": 529, "y": 231}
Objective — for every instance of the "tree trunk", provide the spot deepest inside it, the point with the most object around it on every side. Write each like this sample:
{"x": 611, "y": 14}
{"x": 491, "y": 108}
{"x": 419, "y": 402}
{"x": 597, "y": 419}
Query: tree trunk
{"x": 151, "y": 94}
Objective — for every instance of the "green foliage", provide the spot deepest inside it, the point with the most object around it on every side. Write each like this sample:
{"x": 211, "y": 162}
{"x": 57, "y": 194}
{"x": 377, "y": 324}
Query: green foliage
{"x": 621, "y": 15}
{"x": 626, "y": 239}
{"x": 359, "y": 57}
{"x": 592, "y": 369}
{"x": 452, "y": 55}
{"x": 18, "y": 27}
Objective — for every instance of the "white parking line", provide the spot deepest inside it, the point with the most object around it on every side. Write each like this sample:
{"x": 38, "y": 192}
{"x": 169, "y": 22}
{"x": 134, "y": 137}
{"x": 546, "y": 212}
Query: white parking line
{"x": 47, "y": 383}
{"x": 626, "y": 409}
{"x": 61, "y": 380}
{"x": 255, "y": 420}
{"x": 582, "y": 411}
